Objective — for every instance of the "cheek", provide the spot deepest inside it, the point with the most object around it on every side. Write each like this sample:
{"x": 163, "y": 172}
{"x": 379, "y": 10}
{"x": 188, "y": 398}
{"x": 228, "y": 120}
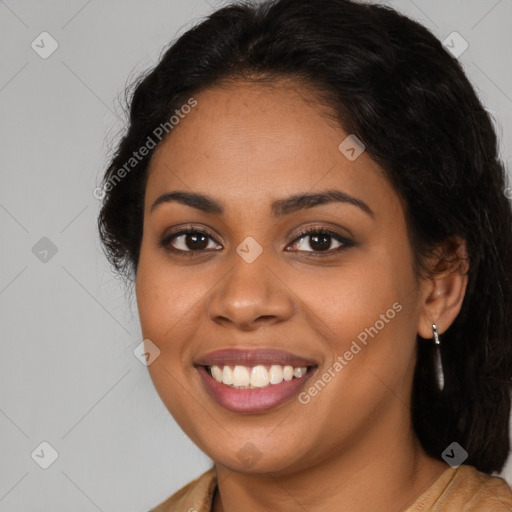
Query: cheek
{"x": 365, "y": 311}
{"x": 349, "y": 299}
{"x": 165, "y": 297}
{"x": 165, "y": 301}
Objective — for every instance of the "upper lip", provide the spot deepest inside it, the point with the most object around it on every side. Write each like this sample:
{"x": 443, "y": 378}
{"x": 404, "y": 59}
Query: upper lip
{"x": 252, "y": 357}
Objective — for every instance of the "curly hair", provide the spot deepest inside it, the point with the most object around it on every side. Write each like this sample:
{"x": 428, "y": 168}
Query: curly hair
{"x": 392, "y": 84}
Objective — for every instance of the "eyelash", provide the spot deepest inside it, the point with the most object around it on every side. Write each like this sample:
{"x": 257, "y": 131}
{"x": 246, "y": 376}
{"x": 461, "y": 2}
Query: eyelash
{"x": 346, "y": 243}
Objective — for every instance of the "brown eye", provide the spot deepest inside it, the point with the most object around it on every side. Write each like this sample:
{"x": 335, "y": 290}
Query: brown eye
{"x": 196, "y": 241}
{"x": 321, "y": 241}
{"x": 190, "y": 240}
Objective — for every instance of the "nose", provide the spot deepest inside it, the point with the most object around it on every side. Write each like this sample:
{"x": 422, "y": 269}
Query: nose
{"x": 249, "y": 296}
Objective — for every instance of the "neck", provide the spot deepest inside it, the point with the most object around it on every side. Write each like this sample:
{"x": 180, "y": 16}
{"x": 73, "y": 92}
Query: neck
{"x": 376, "y": 472}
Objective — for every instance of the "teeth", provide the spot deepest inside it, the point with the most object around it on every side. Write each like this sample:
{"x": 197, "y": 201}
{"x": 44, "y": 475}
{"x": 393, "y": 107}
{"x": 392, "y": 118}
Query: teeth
{"x": 259, "y": 377}
{"x": 217, "y": 373}
{"x": 243, "y": 377}
{"x": 227, "y": 375}
{"x": 276, "y": 374}
{"x": 288, "y": 373}
{"x": 299, "y": 372}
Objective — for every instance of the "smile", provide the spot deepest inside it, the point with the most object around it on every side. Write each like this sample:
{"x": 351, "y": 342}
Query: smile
{"x": 253, "y": 381}
{"x": 257, "y": 377}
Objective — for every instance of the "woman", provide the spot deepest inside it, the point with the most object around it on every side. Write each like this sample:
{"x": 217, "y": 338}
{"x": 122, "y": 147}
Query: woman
{"x": 310, "y": 203}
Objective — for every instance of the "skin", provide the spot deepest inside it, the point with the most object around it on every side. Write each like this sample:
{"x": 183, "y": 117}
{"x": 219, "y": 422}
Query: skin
{"x": 352, "y": 447}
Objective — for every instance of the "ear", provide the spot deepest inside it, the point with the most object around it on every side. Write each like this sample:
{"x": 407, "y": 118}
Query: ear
{"x": 444, "y": 287}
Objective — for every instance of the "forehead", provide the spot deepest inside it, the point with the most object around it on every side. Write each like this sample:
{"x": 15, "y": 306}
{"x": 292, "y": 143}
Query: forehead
{"x": 250, "y": 141}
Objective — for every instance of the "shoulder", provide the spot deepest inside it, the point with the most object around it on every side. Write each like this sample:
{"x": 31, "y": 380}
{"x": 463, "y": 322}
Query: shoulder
{"x": 484, "y": 492}
{"x": 465, "y": 489}
{"x": 196, "y": 496}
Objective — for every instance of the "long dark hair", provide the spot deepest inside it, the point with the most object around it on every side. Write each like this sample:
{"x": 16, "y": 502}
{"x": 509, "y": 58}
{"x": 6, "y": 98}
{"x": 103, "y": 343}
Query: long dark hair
{"x": 392, "y": 84}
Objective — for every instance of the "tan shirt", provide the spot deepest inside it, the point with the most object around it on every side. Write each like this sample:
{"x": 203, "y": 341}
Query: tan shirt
{"x": 463, "y": 489}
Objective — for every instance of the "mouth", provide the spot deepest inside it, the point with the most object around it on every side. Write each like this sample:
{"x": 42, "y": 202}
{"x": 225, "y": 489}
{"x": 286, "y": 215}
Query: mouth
{"x": 253, "y": 381}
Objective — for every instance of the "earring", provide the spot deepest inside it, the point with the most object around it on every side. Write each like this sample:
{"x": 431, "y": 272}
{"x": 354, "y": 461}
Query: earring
{"x": 437, "y": 358}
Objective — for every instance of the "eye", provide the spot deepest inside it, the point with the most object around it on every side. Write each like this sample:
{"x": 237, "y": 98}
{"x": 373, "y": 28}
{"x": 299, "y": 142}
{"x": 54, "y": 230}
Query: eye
{"x": 321, "y": 240}
{"x": 189, "y": 240}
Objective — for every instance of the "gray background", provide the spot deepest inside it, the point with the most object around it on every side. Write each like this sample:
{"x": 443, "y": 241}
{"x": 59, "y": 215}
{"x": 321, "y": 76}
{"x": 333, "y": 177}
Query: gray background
{"x": 68, "y": 375}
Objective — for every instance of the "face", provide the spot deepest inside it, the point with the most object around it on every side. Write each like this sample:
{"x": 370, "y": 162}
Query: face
{"x": 282, "y": 249}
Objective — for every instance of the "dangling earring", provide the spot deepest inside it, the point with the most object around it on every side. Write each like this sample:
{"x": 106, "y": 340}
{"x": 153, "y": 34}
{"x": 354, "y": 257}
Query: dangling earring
{"x": 437, "y": 358}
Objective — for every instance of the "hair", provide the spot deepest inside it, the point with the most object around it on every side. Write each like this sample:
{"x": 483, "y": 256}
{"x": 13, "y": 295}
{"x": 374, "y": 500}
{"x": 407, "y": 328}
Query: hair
{"x": 392, "y": 84}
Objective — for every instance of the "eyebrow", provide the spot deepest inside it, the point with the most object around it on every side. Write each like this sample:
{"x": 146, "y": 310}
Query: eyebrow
{"x": 279, "y": 207}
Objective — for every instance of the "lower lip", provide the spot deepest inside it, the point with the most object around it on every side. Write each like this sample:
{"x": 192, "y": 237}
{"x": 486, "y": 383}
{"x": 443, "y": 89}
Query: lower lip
{"x": 252, "y": 400}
